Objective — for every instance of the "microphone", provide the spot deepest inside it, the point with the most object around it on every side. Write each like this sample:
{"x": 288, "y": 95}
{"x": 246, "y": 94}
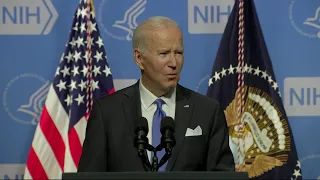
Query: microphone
{"x": 167, "y": 130}
{"x": 167, "y": 140}
{"x": 141, "y": 130}
{"x": 141, "y": 141}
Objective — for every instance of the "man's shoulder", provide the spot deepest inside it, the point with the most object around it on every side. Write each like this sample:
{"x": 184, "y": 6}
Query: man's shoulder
{"x": 199, "y": 98}
{"x": 117, "y": 96}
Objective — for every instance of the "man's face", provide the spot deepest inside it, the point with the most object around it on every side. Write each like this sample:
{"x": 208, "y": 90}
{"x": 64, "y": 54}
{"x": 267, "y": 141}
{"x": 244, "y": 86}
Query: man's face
{"x": 162, "y": 60}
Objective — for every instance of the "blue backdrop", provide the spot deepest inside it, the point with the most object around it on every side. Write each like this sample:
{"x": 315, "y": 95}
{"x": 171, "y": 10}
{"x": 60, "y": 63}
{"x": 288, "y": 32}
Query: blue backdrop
{"x": 33, "y": 34}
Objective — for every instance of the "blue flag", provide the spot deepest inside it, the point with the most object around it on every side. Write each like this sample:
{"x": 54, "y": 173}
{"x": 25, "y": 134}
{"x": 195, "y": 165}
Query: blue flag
{"x": 243, "y": 82}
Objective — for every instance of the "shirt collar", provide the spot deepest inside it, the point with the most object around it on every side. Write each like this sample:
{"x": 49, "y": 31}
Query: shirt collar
{"x": 147, "y": 98}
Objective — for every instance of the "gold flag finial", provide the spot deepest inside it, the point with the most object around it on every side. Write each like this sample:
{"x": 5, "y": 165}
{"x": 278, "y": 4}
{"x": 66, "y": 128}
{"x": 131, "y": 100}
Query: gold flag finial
{"x": 92, "y": 5}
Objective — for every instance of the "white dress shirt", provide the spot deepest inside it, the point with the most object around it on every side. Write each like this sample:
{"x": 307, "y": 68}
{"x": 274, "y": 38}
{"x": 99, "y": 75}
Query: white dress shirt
{"x": 148, "y": 107}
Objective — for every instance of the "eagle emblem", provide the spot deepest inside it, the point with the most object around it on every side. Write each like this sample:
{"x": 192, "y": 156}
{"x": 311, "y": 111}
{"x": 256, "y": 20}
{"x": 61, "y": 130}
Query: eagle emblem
{"x": 265, "y": 142}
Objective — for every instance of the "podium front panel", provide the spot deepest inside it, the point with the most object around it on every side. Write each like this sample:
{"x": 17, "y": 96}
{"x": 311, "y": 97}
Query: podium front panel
{"x": 157, "y": 175}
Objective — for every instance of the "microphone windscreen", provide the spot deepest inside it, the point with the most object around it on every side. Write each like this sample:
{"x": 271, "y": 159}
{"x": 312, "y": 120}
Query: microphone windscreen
{"x": 167, "y": 122}
{"x": 141, "y": 124}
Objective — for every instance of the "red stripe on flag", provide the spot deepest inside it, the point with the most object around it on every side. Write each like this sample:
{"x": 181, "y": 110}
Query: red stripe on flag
{"x": 53, "y": 136}
{"x": 87, "y": 116}
{"x": 75, "y": 146}
{"x": 35, "y": 167}
{"x": 111, "y": 91}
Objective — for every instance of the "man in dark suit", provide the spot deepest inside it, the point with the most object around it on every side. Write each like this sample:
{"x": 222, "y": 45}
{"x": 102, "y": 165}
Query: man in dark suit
{"x": 201, "y": 134}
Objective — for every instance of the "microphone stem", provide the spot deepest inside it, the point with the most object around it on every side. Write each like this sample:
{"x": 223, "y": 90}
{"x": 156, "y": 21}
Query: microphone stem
{"x": 145, "y": 159}
{"x": 164, "y": 159}
{"x": 155, "y": 161}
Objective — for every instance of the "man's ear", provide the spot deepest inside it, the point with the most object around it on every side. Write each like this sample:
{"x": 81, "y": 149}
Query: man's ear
{"x": 138, "y": 58}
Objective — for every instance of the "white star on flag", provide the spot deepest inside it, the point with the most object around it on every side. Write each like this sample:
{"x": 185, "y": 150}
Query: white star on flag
{"x": 65, "y": 71}
{"x": 57, "y": 71}
{"x": 99, "y": 42}
{"x": 82, "y": 85}
{"x": 257, "y": 71}
{"x": 69, "y": 57}
{"x": 83, "y": 12}
{"x": 96, "y": 70}
{"x": 230, "y": 70}
{"x": 264, "y": 75}
{"x": 84, "y": 70}
{"x": 107, "y": 71}
{"x": 79, "y": 42}
{"x": 93, "y": 27}
{"x": 61, "y": 85}
{"x": 79, "y": 99}
{"x": 83, "y": 27}
{"x": 75, "y": 70}
{"x": 95, "y": 85}
{"x": 98, "y": 56}
{"x": 216, "y": 76}
{"x": 68, "y": 100}
{"x": 223, "y": 72}
{"x": 77, "y": 56}
{"x": 73, "y": 85}
{"x": 72, "y": 42}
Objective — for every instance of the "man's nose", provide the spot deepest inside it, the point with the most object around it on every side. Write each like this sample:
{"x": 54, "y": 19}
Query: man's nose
{"x": 173, "y": 61}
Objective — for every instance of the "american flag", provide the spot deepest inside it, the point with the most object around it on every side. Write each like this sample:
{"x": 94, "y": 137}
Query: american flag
{"x": 82, "y": 76}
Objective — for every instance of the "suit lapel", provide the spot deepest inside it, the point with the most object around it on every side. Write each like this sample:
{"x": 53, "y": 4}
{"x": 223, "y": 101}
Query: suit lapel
{"x": 132, "y": 109}
{"x": 132, "y": 106}
{"x": 184, "y": 109}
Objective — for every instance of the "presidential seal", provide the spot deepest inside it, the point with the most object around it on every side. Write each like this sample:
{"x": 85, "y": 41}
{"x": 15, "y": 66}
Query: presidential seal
{"x": 265, "y": 141}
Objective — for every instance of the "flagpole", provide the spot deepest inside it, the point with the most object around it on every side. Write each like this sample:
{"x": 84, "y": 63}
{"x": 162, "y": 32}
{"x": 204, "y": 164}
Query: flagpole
{"x": 241, "y": 93}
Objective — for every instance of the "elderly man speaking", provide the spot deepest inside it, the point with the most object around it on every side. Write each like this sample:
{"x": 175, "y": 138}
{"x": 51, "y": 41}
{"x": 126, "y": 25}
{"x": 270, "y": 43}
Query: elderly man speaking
{"x": 201, "y": 133}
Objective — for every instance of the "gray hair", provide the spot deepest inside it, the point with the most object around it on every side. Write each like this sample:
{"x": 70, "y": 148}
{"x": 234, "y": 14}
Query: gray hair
{"x": 157, "y": 22}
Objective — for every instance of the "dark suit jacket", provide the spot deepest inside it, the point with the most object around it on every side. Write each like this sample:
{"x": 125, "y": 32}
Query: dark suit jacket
{"x": 108, "y": 145}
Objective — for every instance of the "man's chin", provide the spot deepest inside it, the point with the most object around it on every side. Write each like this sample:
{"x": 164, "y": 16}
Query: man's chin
{"x": 171, "y": 86}
{"x": 168, "y": 89}
{"x": 172, "y": 83}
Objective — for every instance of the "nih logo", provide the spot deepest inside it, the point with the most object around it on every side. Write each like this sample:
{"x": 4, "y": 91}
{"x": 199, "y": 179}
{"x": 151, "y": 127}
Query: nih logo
{"x": 27, "y": 17}
{"x": 208, "y": 16}
{"x": 302, "y": 96}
